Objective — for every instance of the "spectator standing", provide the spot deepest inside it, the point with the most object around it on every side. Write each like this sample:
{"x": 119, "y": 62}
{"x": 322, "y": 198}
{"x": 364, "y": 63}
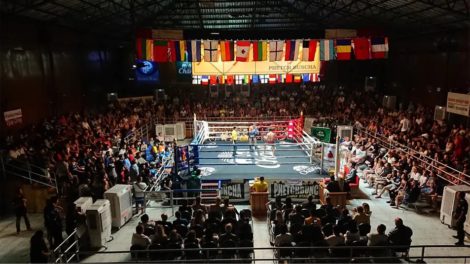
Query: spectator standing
{"x": 460, "y": 216}
{"x": 20, "y": 210}
{"x": 139, "y": 194}
{"x": 38, "y": 252}
{"x": 53, "y": 222}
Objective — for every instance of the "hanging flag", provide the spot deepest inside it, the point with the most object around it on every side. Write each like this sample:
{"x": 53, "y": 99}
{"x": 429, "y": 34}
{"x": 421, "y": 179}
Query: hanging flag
{"x": 289, "y": 78}
{"x": 297, "y": 78}
{"x": 178, "y": 50}
{"x": 361, "y": 47}
{"x": 343, "y": 49}
{"x": 305, "y": 77}
{"x": 315, "y": 77}
{"x": 229, "y": 79}
{"x": 210, "y": 50}
{"x": 272, "y": 78}
{"x": 255, "y": 79}
{"x": 310, "y": 77}
{"x": 213, "y": 79}
{"x": 196, "y": 79}
{"x": 194, "y": 50}
{"x": 292, "y": 50}
{"x": 275, "y": 50}
{"x": 160, "y": 51}
{"x": 327, "y": 51}
{"x": 221, "y": 79}
{"x": 149, "y": 49}
{"x": 243, "y": 50}
{"x": 280, "y": 78}
{"x": 226, "y": 50}
{"x": 140, "y": 48}
{"x": 260, "y": 49}
{"x": 264, "y": 78}
{"x": 379, "y": 48}
{"x": 246, "y": 79}
{"x": 204, "y": 80}
{"x": 239, "y": 79}
{"x": 309, "y": 47}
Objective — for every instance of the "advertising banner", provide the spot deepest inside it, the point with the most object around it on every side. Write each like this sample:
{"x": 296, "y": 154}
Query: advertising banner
{"x": 184, "y": 71}
{"x": 458, "y": 103}
{"x": 295, "y": 189}
{"x": 13, "y": 117}
{"x": 147, "y": 72}
{"x": 233, "y": 190}
{"x": 257, "y": 67}
{"x": 322, "y": 133}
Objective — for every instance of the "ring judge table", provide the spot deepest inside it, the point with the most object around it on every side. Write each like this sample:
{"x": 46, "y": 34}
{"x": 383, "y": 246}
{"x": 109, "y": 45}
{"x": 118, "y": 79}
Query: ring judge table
{"x": 258, "y": 201}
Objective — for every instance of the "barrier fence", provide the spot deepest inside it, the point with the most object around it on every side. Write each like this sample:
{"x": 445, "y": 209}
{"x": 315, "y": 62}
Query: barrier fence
{"x": 345, "y": 254}
{"x": 445, "y": 172}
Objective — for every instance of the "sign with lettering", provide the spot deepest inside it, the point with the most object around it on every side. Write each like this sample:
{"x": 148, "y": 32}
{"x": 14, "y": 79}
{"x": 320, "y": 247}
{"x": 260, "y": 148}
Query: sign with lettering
{"x": 183, "y": 71}
{"x": 295, "y": 189}
{"x": 458, "y": 103}
{"x": 13, "y": 117}
{"x": 257, "y": 67}
{"x": 232, "y": 190}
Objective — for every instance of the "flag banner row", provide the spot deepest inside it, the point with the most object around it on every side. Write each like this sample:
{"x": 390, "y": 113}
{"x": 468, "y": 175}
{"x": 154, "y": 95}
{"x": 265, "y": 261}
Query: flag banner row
{"x": 255, "y": 79}
{"x": 273, "y": 50}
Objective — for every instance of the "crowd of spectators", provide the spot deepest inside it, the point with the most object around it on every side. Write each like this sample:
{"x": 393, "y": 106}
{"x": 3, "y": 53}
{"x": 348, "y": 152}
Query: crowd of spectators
{"x": 196, "y": 226}
{"x": 331, "y": 227}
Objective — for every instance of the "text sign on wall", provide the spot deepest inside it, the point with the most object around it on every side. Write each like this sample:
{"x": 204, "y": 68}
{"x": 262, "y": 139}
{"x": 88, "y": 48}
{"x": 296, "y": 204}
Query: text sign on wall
{"x": 13, "y": 117}
{"x": 232, "y": 190}
{"x": 458, "y": 103}
{"x": 295, "y": 189}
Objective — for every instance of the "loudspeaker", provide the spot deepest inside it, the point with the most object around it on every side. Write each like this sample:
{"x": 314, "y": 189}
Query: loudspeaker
{"x": 112, "y": 97}
{"x": 439, "y": 113}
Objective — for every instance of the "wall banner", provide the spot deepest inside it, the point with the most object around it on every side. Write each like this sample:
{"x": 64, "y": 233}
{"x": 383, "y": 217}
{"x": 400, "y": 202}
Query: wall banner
{"x": 458, "y": 103}
{"x": 233, "y": 190}
{"x": 295, "y": 189}
{"x": 13, "y": 117}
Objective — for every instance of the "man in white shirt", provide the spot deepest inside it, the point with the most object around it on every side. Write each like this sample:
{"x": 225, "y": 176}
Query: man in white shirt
{"x": 414, "y": 174}
{"x": 139, "y": 239}
{"x": 404, "y": 124}
{"x": 139, "y": 193}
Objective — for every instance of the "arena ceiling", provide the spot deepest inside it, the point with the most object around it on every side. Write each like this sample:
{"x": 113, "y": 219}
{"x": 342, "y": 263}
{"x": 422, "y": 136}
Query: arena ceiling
{"x": 122, "y": 17}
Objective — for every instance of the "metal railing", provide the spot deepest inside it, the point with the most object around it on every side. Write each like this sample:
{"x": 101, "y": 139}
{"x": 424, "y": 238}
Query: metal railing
{"x": 24, "y": 169}
{"x": 345, "y": 254}
{"x": 68, "y": 250}
{"x": 144, "y": 131}
{"x": 443, "y": 170}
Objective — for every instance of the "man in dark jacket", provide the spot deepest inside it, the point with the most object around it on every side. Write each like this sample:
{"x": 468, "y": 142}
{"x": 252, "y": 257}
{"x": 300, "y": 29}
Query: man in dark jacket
{"x": 400, "y": 235}
{"x": 460, "y": 217}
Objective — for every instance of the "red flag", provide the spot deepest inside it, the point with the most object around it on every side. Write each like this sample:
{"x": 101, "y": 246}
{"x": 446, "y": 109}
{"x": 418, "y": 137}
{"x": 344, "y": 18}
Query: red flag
{"x": 272, "y": 78}
{"x": 213, "y": 79}
{"x": 289, "y": 78}
{"x": 361, "y": 48}
{"x": 140, "y": 47}
{"x": 172, "y": 50}
{"x": 229, "y": 79}
{"x": 160, "y": 50}
{"x": 243, "y": 48}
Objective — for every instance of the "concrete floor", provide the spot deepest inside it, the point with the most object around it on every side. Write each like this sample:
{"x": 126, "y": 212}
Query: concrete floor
{"x": 426, "y": 227}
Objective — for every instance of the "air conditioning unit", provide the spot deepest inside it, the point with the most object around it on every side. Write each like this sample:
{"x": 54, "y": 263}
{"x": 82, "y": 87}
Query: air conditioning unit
{"x": 169, "y": 132}
{"x": 389, "y": 102}
{"x": 83, "y": 203}
{"x": 120, "y": 198}
{"x": 450, "y": 199}
{"x": 98, "y": 218}
{"x": 180, "y": 130}
{"x": 439, "y": 113}
{"x": 159, "y": 129}
{"x": 466, "y": 225}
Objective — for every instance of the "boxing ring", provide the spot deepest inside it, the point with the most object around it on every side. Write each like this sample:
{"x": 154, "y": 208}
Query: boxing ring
{"x": 293, "y": 155}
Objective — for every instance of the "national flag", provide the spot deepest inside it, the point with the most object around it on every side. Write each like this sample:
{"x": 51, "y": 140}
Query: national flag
{"x": 204, "y": 80}
{"x": 194, "y": 50}
{"x": 315, "y": 77}
{"x": 140, "y": 48}
{"x": 149, "y": 49}
{"x": 343, "y": 49}
{"x": 305, "y": 77}
{"x": 196, "y": 79}
{"x": 226, "y": 50}
{"x": 309, "y": 47}
{"x": 178, "y": 50}
{"x": 243, "y": 50}
{"x": 297, "y": 78}
{"x": 272, "y": 78}
{"x": 213, "y": 79}
{"x": 327, "y": 51}
{"x": 292, "y": 50}
{"x": 160, "y": 50}
{"x": 280, "y": 78}
{"x": 221, "y": 79}
{"x": 264, "y": 78}
{"x": 246, "y": 79}
{"x": 289, "y": 78}
{"x": 275, "y": 50}
{"x": 211, "y": 50}
{"x": 229, "y": 79}
{"x": 379, "y": 48}
{"x": 310, "y": 77}
{"x": 361, "y": 47}
{"x": 260, "y": 49}
{"x": 255, "y": 79}
{"x": 239, "y": 79}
